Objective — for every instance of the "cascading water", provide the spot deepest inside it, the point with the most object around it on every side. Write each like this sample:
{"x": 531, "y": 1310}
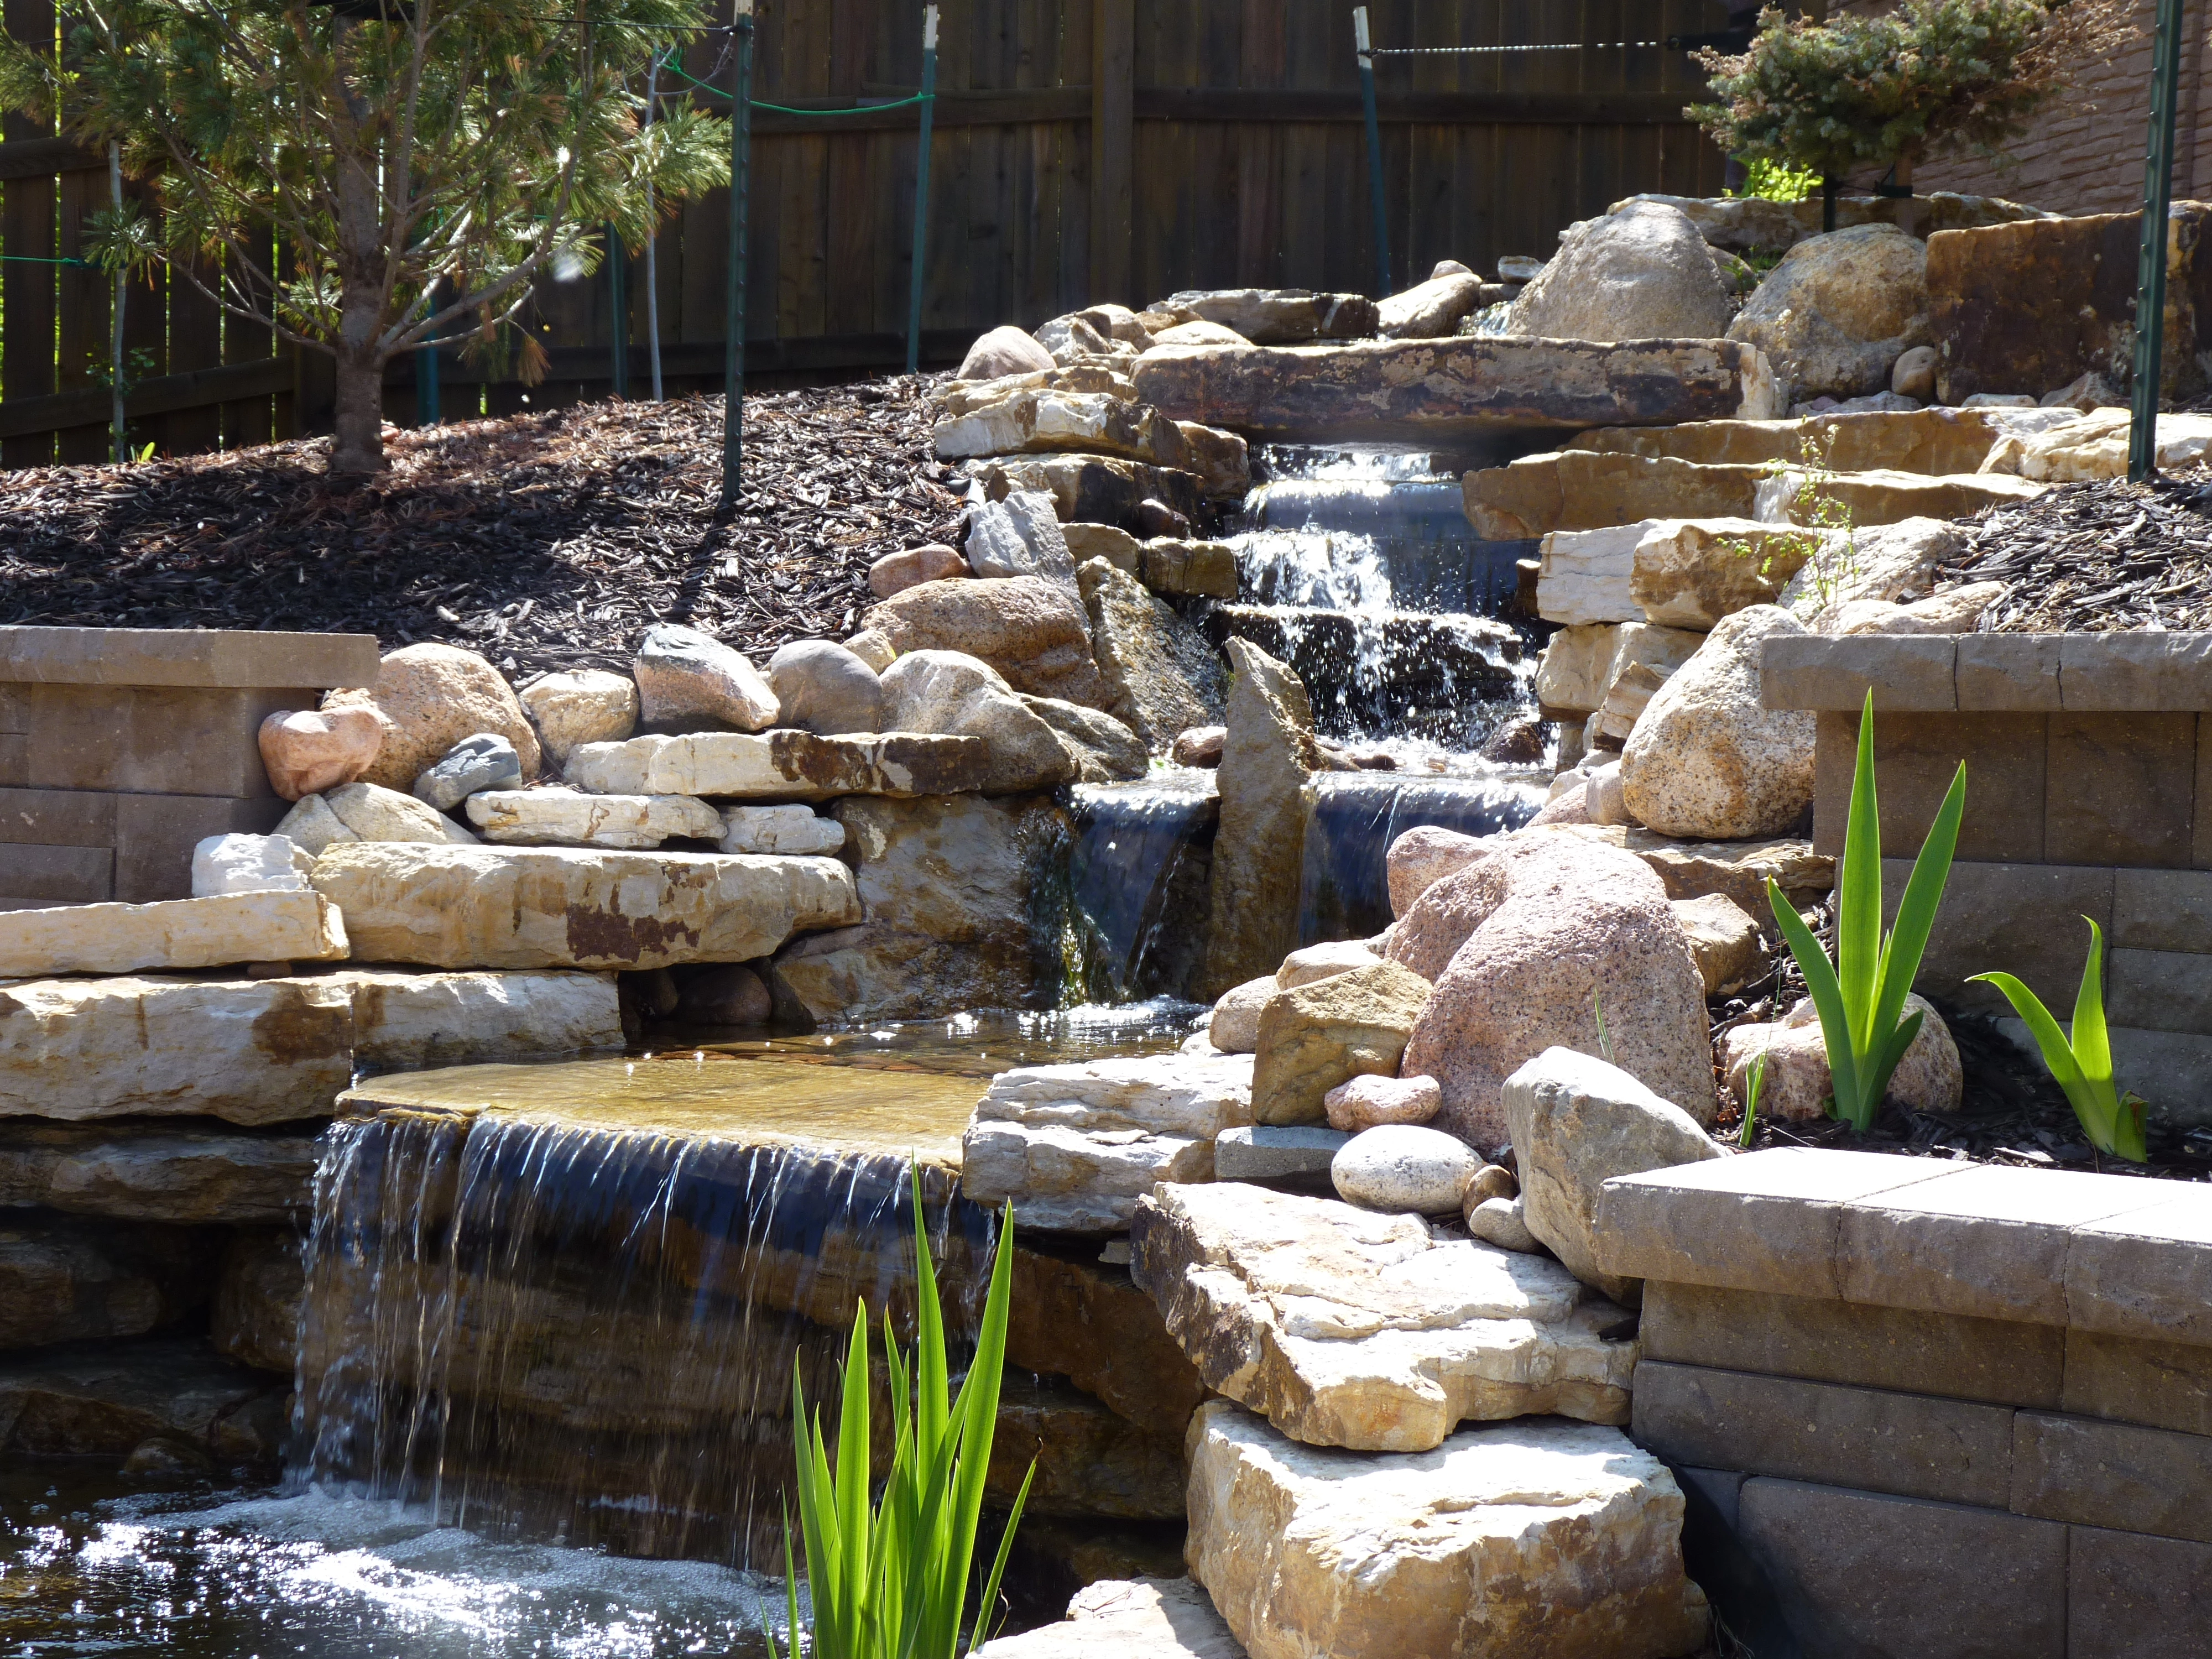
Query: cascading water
{"x": 1352, "y": 820}
{"x": 1137, "y": 879}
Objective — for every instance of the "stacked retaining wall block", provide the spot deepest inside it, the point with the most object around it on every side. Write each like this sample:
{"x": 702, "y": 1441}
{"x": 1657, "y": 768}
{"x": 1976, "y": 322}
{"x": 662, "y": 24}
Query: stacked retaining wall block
{"x": 121, "y": 748}
{"x": 2088, "y": 793}
{"x": 1923, "y": 1409}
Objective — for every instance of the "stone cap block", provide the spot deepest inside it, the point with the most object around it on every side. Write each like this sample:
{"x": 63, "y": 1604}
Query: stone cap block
{"x": 2008, "y": 672}
{"x": 2108, "y": 1253}
{"x": 185, "y": 656}
{"x": 2119, "y": 671}
{"x": 1905, "y": 671}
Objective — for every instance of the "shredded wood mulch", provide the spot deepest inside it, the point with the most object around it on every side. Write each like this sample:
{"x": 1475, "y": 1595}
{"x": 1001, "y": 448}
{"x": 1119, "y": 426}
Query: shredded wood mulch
{"x": 2100, "y": 558}
{"x": 545, "y": 541}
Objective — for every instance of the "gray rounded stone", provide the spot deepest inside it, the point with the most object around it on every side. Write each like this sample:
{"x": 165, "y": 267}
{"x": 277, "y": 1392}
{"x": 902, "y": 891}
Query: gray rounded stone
{"x": 1401, "y": 1167}
{"x": 825, "y": 689}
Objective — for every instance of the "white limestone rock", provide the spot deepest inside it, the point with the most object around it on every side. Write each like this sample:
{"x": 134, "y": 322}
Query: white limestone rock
{"x": 170, "y": 934}
{"x": 561, "y": 907}
{"x": 568, "y": 817}
{"x": 1345, "y": 1327}
{"x": 795, "y": 831}
{"x": 1582, "y": 575}
{"x": 1401, "y": 1168}
{"x": 782, "y": 766}
{"x": 249, "y": 864}
{"x": 1509, "y": 1541}
{"x": 587, "y": 706}
{"x": 411, "y": 1021}
{"x": 1127, "y": 1618}
{"x": 1076, "y": 1145}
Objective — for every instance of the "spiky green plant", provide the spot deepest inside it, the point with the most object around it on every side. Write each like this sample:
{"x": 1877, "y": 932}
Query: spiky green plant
{"x": 1861, "y": 996}
{"x": 889, "y": 1580}
{"x": 2082, "y": 1060}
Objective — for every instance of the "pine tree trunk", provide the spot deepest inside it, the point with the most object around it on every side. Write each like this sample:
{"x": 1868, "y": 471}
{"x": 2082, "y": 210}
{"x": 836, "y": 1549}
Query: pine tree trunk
{"x": 358, "y": 445}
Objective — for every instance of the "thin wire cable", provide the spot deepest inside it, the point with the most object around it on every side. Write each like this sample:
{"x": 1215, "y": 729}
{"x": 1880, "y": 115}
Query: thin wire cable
{"x": 786, "y": 109}
{"x": 1479, "y": 51}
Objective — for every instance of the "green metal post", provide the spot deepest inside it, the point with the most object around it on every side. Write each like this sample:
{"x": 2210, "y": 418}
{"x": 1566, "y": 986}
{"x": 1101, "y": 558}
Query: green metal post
{"x": 2150, "y": 270}
{"x": 118, "y": 443}
{"x": 1365, "y": 49}
{"x": 427, "y": 411}
{"x": 733, "y": 350}
{"x": 921, "y": 188}
{"x": 618, "y": 312}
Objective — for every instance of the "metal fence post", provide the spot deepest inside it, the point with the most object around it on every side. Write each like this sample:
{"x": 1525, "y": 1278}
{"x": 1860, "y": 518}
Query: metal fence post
{"x": 921, "y": 186}
{"x": 618, "y": 312}
{"x": 733, "y": 350}
{"x": 2150, "y": 270}
{"x": 1365, "y": 48}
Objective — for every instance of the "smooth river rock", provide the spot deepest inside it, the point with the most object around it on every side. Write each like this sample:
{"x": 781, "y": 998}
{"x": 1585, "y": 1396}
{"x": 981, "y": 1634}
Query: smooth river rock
{"x": 558, "y": 907}
{"x": 305, "y": 751}
{"x": 1346, "y": 1328}
{"x": 1075, "y": 1146}
{"x": 1431, "y": 389}
{"x": 589, "y": 705}
{"x": 170, "y": 934}
{"x": 1403, "y": 1168}
{"x": 1509, "y": 1542}
{"x": 1797, "y": 1084}
{"x": 688, "y": 681}
{"x": 183, "y": 1172}
{"x": 1364, "y": 1102}
{"x": 569, "y": 818}
{"x": 1234, "y": 1027}
{"x": 781, "y": 766}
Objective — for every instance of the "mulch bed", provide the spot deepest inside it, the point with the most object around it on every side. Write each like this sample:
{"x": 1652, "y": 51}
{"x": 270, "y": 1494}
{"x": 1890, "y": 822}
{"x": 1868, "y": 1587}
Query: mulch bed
{"x": 2010, "y": 1110}
{"x": 2100, "y": 558}
{"x": 545, "y": 541}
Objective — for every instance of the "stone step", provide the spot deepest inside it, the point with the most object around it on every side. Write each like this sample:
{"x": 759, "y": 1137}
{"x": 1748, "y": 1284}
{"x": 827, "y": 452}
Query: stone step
{"x": 187, "y": 1172}
{"x": 1506, "y": 1541}
{"x": 1093, "y": 489}
{"x": 1446, "y": 390}
{"x": 263, "y": 1050}
{"x": 1398, "y": 673}
{"x": 1346, "y": 1328}
{"x": 1585, "y": 490}
{"x": 1936, "y": 442}
{"x": 781, "y": 766}
{"x": 561, "y": 907}
{"x": 170, "y": 934}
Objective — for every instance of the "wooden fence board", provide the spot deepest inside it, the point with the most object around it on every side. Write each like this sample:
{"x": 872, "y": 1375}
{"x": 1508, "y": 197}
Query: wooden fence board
{"x": 1109, "y": 149}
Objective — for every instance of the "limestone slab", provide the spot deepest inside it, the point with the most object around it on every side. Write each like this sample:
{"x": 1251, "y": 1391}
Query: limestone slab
{"x": 1347, "y": 1328}
{"x": 1075, "y": 1146}
{"x": 1117, "y": 1618}
{"x": 171, "y": 933}
{"x": 246, "y": 1051}
{"x": 1582, "y": 575}
{"x": 1766, "y": 1221}
{"x": 1036, "y": 420}
{"x": 781, "y": 766}
{"x": 568, "y": 817}
{"x": 1956, "y": 1451}
{"x": 182, "y": 1173}
{"x": 1435, "y": 388}
{"x": 408, "y": 1021}
{"x": 557, "y": 907}
{"x": 1507, "y": 1542}
{"x": 1936, "y": 440}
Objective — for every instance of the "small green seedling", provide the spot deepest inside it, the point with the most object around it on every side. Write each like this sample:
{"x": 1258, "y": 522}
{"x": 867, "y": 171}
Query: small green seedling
{"x": 1861, "y": 996}
{"x": 1758, "y": 1082}
{"x": 2081, "y": 1062}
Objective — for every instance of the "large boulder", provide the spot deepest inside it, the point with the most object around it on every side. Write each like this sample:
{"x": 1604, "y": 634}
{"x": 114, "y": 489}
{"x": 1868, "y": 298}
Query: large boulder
{"x": 1315, "y": 1036}
{"x": 1075, "y": 1146}
{"x": 1559, "y": 935}
{"x": 1643, "y": 273}
{"x": 1160, "y": 675}
{"x": 1421, "y": 858}
{"x": 1029, "y": 628}
{"x": 589, "y": 705}
{"x": 950, "y": 885}
{"x": 1349, "y": 1328}
{"x": 1576, "y": 1123}
{"x": 305, "y": 751}
{"x": 1100, "y": 748}
{"x": 1003, "y": 350}
{"x": 1259, "y": 851}
{"x": 1797, "y": 1084}
{"x": 1509, "y": 1541}
{"x": 954, "y": 695}
{"x": 1837, "y": 314}
{"x": 1705, "y": 761}
{"x": 428, "y": 698}
{"x": 822, "y": 687}
{"x": 1020, "y": 535}
{"x": 688, "y": 681}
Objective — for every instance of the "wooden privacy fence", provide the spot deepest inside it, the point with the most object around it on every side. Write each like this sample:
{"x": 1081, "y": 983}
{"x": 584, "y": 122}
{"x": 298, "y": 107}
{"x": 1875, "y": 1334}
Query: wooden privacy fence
{"x": 1084, "y": 150}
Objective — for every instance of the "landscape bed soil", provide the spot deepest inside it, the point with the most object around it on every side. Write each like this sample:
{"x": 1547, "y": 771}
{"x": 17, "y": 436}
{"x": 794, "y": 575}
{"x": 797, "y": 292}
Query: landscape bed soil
{"x": 545, "y": 541}
{"x": 2102, "y": 557}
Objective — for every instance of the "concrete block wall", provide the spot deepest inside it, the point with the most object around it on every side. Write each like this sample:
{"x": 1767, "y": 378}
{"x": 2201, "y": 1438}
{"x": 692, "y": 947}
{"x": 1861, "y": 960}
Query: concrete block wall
{"x": 1923, "y": 1409}
{"x": 120, "y": 748}
{"x": 2089, "y": 793}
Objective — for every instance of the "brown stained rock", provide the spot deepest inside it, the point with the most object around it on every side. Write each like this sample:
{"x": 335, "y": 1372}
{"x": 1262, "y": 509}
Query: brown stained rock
{"x": 1089, "y": 1461}
{"x": 428, "y": 698}
{"x": 1584, "y": 490}
{"x": 1222, "y": 460}
{"x": 257, "y": 1292}
{"x": 1363, "y": 1101}
{"x": 1556, "y": 934}
{"x": 72, "y": 1279}
{"x": 305, "y": 751}
{"x": 1089, "y": 1324}
{"x": 1200, "y": 745}
{"x": 1259, "y": 850}
{"x": 1427, "y": 389}
{"x": 1691, "y": 573}
{"x": 183, "y": 1172}
{"x": 1319, "y": 1034}
{"x": 1161, "y": 677}
{"x": 2025, "y": 307}
{"x": 1038, "y": 421}
{"x": 106, "y": 1400}
{"x": 1725, "y": 940}
{"x": 1931, "y": 440}
{"x": 1031, "y": 630}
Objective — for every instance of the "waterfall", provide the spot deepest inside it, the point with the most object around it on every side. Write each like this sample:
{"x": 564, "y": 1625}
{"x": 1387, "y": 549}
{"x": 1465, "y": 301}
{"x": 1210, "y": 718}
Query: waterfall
{"x": 552, "y": 1330}
{"x": 1351, "y": 818}
{"x": 1138, "y": 879}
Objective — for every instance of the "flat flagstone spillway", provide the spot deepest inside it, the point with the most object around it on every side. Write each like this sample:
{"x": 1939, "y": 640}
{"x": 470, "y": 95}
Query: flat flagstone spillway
{"x": 1420, "y": 390}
